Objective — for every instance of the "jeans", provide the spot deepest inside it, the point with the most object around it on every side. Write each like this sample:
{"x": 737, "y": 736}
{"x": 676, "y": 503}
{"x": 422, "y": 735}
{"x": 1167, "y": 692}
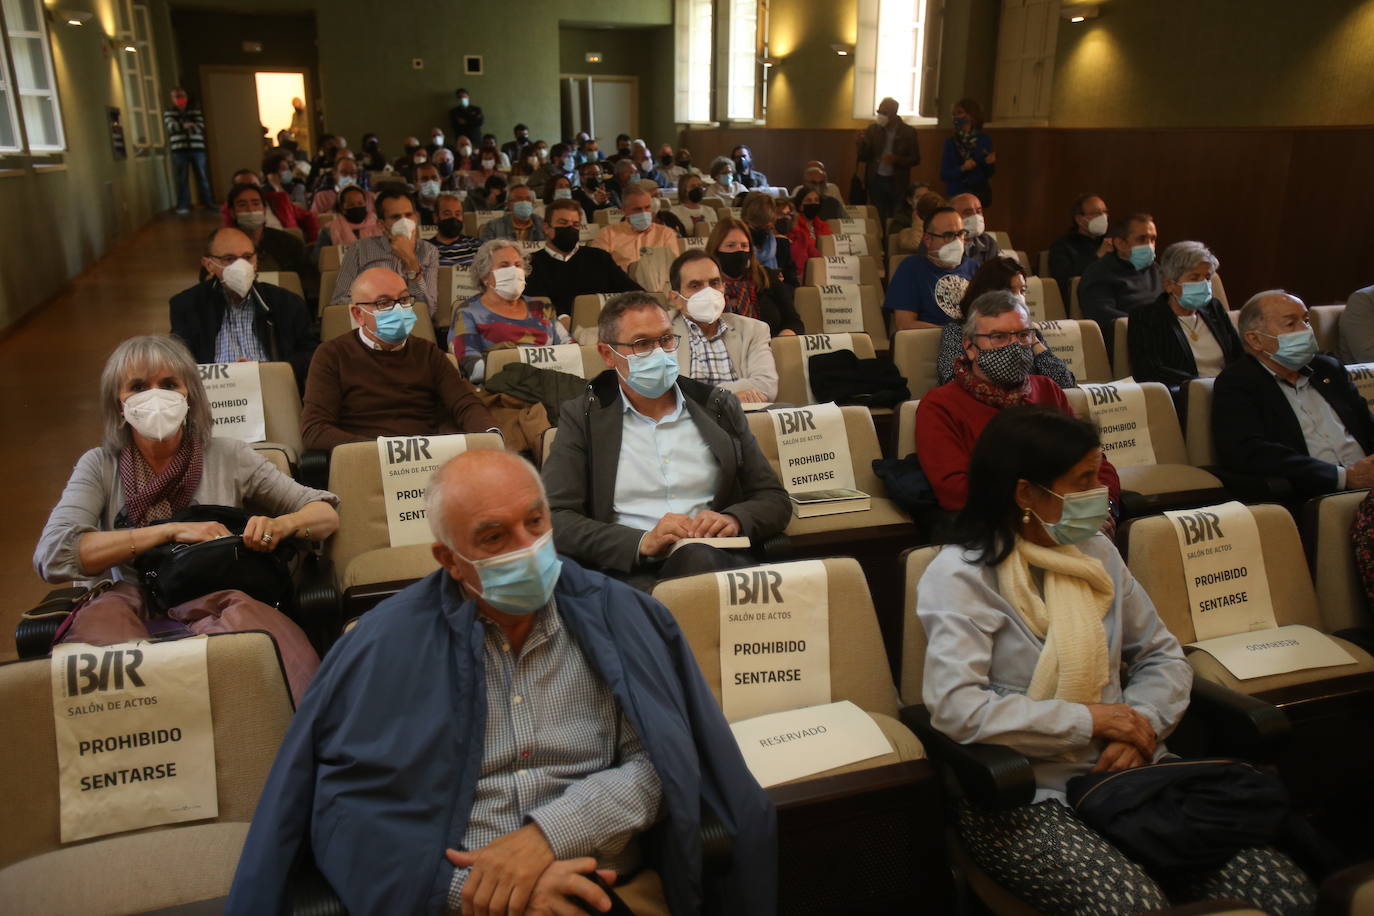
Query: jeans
{"x": 195, "y": 159}
{"x": 882, "y": 194}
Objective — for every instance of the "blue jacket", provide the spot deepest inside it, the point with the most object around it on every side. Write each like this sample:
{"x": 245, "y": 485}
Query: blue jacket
{"x": 378, "y": 769}
{"x": 973, "y": 181}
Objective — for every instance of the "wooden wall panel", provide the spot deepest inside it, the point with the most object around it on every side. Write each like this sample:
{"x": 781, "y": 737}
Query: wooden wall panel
{"x": 1280, "y": 207}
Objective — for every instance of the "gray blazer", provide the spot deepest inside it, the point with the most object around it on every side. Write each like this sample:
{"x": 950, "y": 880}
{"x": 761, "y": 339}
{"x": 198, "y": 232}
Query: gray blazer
{"x": 504, "y": 228}
{"x": 750, "y": 353}
{"x": 1356, "y": 343}
{"x": 581, "y": 470}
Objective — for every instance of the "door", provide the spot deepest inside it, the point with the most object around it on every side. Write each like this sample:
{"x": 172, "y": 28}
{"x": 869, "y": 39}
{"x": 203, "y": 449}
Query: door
{"x": 1025, "y": 61}
{"x": 614, "y": 106}
{"x": 234, "y": 138}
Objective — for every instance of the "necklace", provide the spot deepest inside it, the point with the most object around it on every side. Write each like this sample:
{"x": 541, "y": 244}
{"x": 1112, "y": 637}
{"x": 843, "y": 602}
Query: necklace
{"x": 1193, "y": 327}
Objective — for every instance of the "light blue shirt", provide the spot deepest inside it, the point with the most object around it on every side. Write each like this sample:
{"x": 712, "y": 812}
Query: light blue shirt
{"x": 665, "y": 466}
{"x": 1326, "y": 436}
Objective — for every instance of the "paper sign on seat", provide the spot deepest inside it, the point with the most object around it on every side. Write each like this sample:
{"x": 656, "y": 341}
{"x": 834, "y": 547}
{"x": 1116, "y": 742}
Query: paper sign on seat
{"x": 842, "y": 309}
{"x": 407, "y": 463}
{"x": 842, "y": 268}
{"x": 855, "y": 244}
{"x": 234, "y": 391}
{"x": 1274, "y": 650}
{"x": 1123, "y": 422}
{"x": 1065, "y": 338}
{"x": 1035, "y": 299}
{"x": 560, "y": 357}
{"x": 799, "y": 742}
{"x": 1223, "y": 565}
{"x": 1362, "y": 374}
{"x": 813, "y": 448}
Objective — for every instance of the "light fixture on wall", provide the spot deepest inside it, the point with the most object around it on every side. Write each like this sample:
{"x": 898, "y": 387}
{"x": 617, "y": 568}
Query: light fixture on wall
{"x": 843, "y": 50}
{"x": 593, "y": 57}
{"x": 1079, "y": 12}
{"x": 74, "y": 18}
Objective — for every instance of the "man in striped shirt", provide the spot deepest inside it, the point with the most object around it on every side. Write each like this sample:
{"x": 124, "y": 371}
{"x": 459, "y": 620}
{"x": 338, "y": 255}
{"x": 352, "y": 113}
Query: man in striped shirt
{"x": 186, "y": 142}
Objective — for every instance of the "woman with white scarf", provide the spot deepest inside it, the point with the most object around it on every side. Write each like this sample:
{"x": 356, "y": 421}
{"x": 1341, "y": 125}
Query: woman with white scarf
{"x": 1040, "y": 639}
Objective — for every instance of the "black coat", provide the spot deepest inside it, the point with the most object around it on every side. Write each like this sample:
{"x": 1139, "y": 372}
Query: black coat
{"x": 1158, "y": 347}
{"x": 281, "y": 323}
{"x": 1256, "y": 431}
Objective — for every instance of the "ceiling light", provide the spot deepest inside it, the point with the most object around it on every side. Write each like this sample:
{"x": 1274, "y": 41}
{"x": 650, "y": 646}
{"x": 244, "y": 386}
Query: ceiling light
{"x": 1077, "y": 18}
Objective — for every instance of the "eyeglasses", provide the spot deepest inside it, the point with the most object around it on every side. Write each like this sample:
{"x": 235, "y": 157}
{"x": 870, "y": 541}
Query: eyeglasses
{"x": 386, "y": 303}
{"x": 644, "y": 346}
{"x": 949, "y": 236}
{"x": 1002, "y": 338}
{"x": 224, "y": 260}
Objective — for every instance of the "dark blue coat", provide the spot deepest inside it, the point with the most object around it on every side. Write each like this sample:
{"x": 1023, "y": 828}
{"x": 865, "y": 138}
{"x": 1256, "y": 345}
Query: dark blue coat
{"x": 378, "y": 769}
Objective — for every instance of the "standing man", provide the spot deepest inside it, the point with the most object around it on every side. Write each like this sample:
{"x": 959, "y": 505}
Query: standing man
{"x": 300, "y": 129}
{"x": 888, "y": 150}
{"x": 467, "y": 118}
{"x": 186, "y": 141}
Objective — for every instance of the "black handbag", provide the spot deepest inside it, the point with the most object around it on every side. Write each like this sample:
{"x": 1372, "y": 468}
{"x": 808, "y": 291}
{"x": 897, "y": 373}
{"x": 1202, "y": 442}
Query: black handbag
{"x": 1182, "y": 816}
{"x": 175, "y": 573}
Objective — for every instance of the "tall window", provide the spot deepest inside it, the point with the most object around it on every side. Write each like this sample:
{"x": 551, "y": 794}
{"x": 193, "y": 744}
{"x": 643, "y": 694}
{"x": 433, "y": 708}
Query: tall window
{"x": 141, "y": 96}
{"x": 742, "y": 97}
{"x": 890, "y": 56}
{"x": 694, "y": 25}
{"x": 26, "y": 33}
{"x": 9, "y": 124}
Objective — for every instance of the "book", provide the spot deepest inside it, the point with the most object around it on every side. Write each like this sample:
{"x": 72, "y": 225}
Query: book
{"x": 811, "y": 503}
{"x": 750, "y": 406}
{"x": 737, "y": 543}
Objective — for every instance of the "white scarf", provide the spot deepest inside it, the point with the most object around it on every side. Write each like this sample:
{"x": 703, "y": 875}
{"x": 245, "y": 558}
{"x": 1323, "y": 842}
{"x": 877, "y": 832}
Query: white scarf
{"x": 1078, "y": 594}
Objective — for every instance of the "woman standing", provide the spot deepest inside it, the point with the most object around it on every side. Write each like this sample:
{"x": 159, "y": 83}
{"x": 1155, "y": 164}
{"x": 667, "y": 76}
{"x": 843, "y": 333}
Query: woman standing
{"x": 968, "y": 161}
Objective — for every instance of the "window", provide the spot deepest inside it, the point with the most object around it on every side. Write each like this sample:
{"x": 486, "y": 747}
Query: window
{"x": 26, "y": 30}
{"x": 890, "y": 58}
{"x": 9, "y": 124}
{"x": 143, "y": 120}
{"x": 694, "y": 25}
{"x": 742, "y": 96}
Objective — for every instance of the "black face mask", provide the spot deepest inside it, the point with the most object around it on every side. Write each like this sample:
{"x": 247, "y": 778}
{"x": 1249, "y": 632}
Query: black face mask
{"x": 355, "y": 215}
{"x": 665, "y": 160}
{"x": 760, "y": 236}
{"x": 733, "y": 263}
{"x": 684, "y": 161}
{"x": 741, "y": 164}
{"x": 370, "y": 144}
{"x": 696, "y": 194}
{"x": 783, "y": 225}
{"x": 565, "y": 238}
{"x": 450, "y": 227}
{"x": 591, "y": 184}
{"x": 811, "y": 211}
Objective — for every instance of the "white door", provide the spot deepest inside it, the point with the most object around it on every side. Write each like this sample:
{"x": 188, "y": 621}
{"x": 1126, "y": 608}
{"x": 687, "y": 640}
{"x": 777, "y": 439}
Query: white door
{"x": 615, "y": 108}
{"x": 1025, "y": 60}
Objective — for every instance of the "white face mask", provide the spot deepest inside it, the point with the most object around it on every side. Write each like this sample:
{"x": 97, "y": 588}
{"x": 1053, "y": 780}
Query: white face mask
{"x": 437, "y": 140}
{"x": 883, "y": 120}
{"x": 562, "y": 193}
{"x": 974, "y": 225}
{"x": 950, "y": 254}
{"x": 509, "y": 282}
{"x": 251, "y": 219}
{"x": 346, "y": 181}
{"x": 429, "y": 189}
{"x": 1098, "y": 225}
{"x": 156, "y": 413}
{"x": 464, "y": 151}
{"x": 403, "y": 227}
{"x": 488, "y": 164}
{"x": 705, "y": 305}
{"x": 239, "y": 277}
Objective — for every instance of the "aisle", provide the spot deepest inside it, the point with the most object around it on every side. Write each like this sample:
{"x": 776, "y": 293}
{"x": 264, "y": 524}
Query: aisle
{"x": 50, "y": 382}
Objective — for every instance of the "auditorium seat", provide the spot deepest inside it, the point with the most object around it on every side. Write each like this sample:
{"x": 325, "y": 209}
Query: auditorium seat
{"x": 1326, "y": 523}
{"x": 906, "y": 429}
{"x": 587, "y": 308}
{"x": 297, "y": 231}
{"x": 286, "y": 279}
{"x": 366, "y": 568}
{"x": 816, "y": 274}
{"x": 608, "y": 216}
{"x": 1219, "y": 291}
{"x": 328, "y": 280}
{"x": 1020, "y": 258}
{"x": 335, "y": 320}
{"x": 871, "y": 244}
{"x": 1202, "y": 451}
{"x": 1326, "y": 320}
{"x": 1003, "y": 240}
{"x": 914, "y": 352}
{"x": 854, "y": 226}
{"x": 1075, "y": 309}
{"x": 1043, "y": 260}
{"x": 153, "y": 868}
{"x": 1121, "y": 350}
{"x": 1171, "y": 482}
{"x": 861, "y": 211}
{"x": 1097, "y": 368}
{"x": 501, "y": 357}
{"x": 281, "y": 411}
{"x": 331, "y": 256}
{"x": 793, "y": 387}
{"x": 1043, "y": 299}
{"x": 807, "y": 300}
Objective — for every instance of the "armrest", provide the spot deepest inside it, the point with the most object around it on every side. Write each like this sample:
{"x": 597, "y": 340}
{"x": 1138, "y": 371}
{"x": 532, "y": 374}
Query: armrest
{"x": 309, "y": 893}
{"x": 1253, "y": 487}
{"x": 1238, "y": 724}
{"x": 774, "y": 549}
{"x": 38, "y": 626}
{"x": 317, "y": 600}
{"x": 314, "y": 469}
{"x": 717, "y": 846}
{"x": 990, "y": 775}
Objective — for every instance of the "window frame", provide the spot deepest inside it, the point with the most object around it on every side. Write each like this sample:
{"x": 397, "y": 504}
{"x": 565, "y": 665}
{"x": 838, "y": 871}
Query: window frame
{"x": 44, "y": 35}
{"x": 690, "y": 84}
{"x": 139, "y": 68}
{"x": 736, "y": 56}
{"x": 10, "y": 112}
{"x": 867, "y": 65}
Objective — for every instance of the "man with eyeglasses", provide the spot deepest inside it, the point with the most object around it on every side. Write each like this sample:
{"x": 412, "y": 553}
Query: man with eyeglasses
{"x": 232, "y": 317}
{"x": 380, "y": 381}
{"x": 993, "y": 374}
{"x": 399, "y": 249}
{"x": 647, "y": 459}
{"x": 926, "y": 289}
{"x": 1286, "y": 410}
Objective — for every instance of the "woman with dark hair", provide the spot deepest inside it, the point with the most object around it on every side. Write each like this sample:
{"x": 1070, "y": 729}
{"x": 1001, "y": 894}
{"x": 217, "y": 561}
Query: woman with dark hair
{"x": 750, "y": 290}
{"x": 968, "y": 160}
{"x": 808, "y": 227}
{"x": 1040, "y": 639}
{"x": 999, "y": 273}
{"x": 374, "y": 160}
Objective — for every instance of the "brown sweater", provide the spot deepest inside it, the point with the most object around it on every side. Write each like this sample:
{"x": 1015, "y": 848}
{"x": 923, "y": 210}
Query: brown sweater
{"x": 355, "y": 393}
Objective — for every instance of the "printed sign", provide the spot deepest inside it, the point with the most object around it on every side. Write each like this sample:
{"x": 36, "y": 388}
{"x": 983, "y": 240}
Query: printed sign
{"x": 483, "y": 217}
{"x": 855, "y": 211}
{"x": 841, "y": 268}
{"x": 1362, "y": 374}
{"x": 613, "y": 214}
{"x": 694, "y": 243}
{"x": 813, "y": 448}
{"x": 135, "y": 741}
{"x": 842, "y": 309}
{"x": 1065, "y": 338}
{"x": 1278, "y": 650}
{"x": 814, "y": 344}
{"x": 1122, "y": 421}
{"x": 774, "y": 638}
{"x": 234, "y": 391}
{"x": 800, "y": 742}
{"x": 1035, "y": 299}
{"x": 1228, "y": 590}
{"x": 529, "y": 247}
{"x": 407, "y": 464}
{"x": 465, "y": 285}
{"x": 428, "y": 232}
{"x": 853, "y": 226}
{"x": 588, "y": 232}
{"x": 851, "y": 244}
{"x": 560, "y": 357}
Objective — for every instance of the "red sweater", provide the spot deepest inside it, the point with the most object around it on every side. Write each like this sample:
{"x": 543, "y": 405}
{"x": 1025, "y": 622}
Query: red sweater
{"x": 948, "y": 423}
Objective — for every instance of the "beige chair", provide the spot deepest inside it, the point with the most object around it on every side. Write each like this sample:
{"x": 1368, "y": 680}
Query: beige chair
{"x": 502, "y": 357}
{"x": 807, "y": 300}
{"x": 1075, "y": 310}
{"x": 1020, "y": 258}
{"x": 331, "y": 256}
{"x": 286, "y": 279}
{"x": 1042, "y": 294}
{"x": 129, "y": 872}
{"x": 587, "y": 308}
{"x": 366, "y": 567}
{"x": 861, "y": 211}
{"x": 1326, "y": 323}
{"x": 894, "y": 261}
{"x": 1219, "y": 291}
{"x": 1155, "y": 559}
{"x": 872, "y": 242}
{"x": 328, "y": 280}
{"x": 281, "y": 408}
{"x": 1003, "y": 241}
{"x": 1171, "y": 482}
{"x": 715, "y": 203}
{"x": 1198, "y": 435}
{"x": 1327, "y": 522}
{"x": 297, "y": 231}
{"x": 1044, "y": 264}
{"x": 608, "y": 216}
{"x": 868, "y": 271}
{"x": 906, "y": 429}
{"x": 1121, "y": 348}
{"x": 787, "y": 355}
{"x": 914, "y": 352}
{"x": 870, "y": 228}
{"x": 334, "y": 320}
{"x": 1097, "y": 368}
{"x": 443, "y": 311}
{"x": 546, "y": 444}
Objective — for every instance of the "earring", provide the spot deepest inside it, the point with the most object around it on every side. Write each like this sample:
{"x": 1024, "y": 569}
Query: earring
{"x": 1025, "y": 516}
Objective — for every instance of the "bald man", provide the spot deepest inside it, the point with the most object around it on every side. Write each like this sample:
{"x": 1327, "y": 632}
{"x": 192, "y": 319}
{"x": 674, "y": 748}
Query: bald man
{"x": 815, "y": 178}
{"x": 230, "y": 316}
{"x": 1287, "y": 411}
{"x": 492, "y": 734}
{"x": 381, "y": 381}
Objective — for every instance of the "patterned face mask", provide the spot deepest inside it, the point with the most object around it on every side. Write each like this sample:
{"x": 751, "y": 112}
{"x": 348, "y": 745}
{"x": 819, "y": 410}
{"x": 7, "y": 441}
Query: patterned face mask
{"x": 1006, "y": 366}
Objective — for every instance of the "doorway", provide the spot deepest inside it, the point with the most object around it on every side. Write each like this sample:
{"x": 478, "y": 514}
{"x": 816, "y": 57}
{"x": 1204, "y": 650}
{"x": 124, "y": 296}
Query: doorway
{"x": 238, "y": 103}
{"x": 603, "y": 106}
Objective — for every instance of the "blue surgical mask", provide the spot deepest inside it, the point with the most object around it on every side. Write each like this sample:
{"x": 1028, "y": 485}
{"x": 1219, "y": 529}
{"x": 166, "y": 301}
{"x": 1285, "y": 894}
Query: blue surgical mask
{"x": 652, "y": 374}
{"x": 1296, "y": 348}
{"x": 285, "y": 177}
{"x": 394, "y": 325}
{"x": 522, "y": 209}
{"x": 1196, "y": 294}
{"x": 522, "y": 581}
{"x": 641, "y": 221}
{"x": 1082, "y": 515}
{"x": 1142, "y": 256}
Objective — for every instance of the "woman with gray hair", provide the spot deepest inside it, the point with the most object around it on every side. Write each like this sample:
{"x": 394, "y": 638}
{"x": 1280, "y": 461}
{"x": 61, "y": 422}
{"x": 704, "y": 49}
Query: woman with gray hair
{"x": 1185, "y": 333}
{"x": 158, "y": 458}
{"x": 500, "y": 315}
